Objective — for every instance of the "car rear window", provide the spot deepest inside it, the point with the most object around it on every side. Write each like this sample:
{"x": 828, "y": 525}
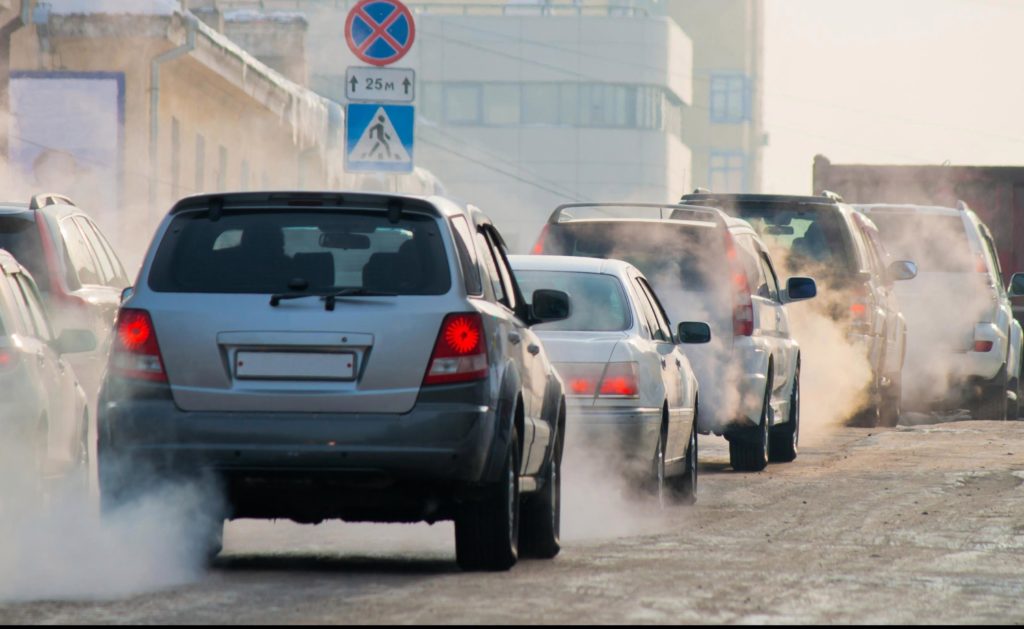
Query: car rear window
{"x": 20, "y": 236}
{"x": 935, "y": 243}
{"x": 598, "y": 301}
{"x": 669, "y": 254}
{"x": 804, "y": 238}
{"x": 284, "y": 251}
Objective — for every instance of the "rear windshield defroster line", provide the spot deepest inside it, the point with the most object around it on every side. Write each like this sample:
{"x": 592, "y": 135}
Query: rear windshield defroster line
{"x": 268, "y": 251}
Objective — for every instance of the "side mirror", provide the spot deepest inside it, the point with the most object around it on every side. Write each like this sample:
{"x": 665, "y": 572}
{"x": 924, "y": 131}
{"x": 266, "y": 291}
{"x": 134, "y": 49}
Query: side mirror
{"x": 549, "y": 305}
{"x": 799, "y": 289}
{"x": 902, "y": 270}
{"x": 1016, "y": 288}
{"x": 694, "y": 332}
{"x": 75, "y": 342}
{"x": 127, "y": 293}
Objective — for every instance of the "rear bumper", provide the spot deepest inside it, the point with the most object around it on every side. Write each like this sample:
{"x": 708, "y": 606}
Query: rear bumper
{"x": 308, "y": 466}
{"x": 626, "y": 436}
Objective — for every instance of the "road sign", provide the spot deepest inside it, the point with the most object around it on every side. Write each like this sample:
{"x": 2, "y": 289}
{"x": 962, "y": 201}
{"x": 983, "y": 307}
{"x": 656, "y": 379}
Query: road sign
{"x": 390, "y": 85}
{"x": 379, "y": 138}
{"x": 380, "y": 32}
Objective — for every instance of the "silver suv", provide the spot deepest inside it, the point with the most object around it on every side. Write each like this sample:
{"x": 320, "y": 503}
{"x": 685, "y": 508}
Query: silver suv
{"x": 367, "y": 357}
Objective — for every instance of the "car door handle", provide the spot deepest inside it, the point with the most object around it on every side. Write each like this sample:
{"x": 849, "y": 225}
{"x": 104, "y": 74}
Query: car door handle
{"x": 514, "y": 338}
{"x": 533, "y": 349}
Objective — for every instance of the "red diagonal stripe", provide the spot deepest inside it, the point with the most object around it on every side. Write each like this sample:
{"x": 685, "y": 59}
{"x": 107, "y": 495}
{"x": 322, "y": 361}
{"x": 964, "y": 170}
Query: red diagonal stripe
{"x": 379, "y": 30}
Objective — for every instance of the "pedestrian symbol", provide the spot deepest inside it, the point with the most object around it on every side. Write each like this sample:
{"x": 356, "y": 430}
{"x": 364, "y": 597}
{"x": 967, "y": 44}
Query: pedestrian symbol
{"x": 379, "y": 138}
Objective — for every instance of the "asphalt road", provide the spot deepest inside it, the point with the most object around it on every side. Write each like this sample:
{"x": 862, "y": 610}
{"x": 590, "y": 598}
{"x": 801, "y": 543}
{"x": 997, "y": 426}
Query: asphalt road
{"x": 918, "y": 524}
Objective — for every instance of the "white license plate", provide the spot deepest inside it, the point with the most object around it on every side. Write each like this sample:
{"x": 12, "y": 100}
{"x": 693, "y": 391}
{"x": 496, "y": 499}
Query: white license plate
{"x": 294, "y": 366}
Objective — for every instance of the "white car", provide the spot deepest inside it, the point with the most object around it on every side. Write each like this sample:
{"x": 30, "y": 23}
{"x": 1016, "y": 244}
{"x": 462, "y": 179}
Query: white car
{"x": 706, "y": 266}
{"x": 963, "y": 344}
{"x": 629, "y": 387}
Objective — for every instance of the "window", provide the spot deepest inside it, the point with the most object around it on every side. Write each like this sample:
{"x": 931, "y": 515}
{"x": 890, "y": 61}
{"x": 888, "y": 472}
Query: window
{"x": 200, "y": 163}
{"x": 598, "y": 302}
{"x": 120, "y": 277}
{"x": 175, "y": 158}
{"x": 505, "y": 272}
{"x": 770, "y": 277}
{"x": 21, "y": 318}
{"x": 647, "y": 312}
{"x": 664, "y": 327}
{"x": 467, "y": 255}
{"x": 105, "y": 266}
{"x": 728, "y": 171}
{"x": 35, "y": 307}
{"x": 82, "y": 262}
{"x": 501, "y": 104}
{"x": 462, "y": 104}
{"x": 492, "y": 268}
{"x": 264, "y": 252}
{"x": 730, "y": 98}
{"x": 20, "y": 236}
{"x": 541, "y": 103}
{"x": 222, "y": 169}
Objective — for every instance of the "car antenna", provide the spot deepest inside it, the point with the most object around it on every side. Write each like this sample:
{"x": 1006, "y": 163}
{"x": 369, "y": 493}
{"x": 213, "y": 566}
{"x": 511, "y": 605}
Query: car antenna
{"x": 216, "y": 208}
{"x": 394, "y": 211}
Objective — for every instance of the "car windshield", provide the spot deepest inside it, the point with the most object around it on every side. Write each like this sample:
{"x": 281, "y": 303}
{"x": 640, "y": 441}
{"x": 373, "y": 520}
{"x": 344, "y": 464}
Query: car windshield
{"x": 805, "y": 240}
{"x": 285, "y": 251}
{"x": 598, "y": 301}
{"x": 20, "y": 236}
{"x": 670, "y": 254}
{"x": 935, "y": 243}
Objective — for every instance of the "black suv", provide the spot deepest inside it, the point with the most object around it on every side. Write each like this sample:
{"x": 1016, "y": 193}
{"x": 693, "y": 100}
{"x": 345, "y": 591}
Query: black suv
{"x": 823, "y": 237}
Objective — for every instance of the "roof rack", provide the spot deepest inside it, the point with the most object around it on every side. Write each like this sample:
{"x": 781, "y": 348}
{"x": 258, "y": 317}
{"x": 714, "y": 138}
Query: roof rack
{"x": 675, "y": 212}
{"x": 49, "y": 198}
{"x": 699, "y": 190}
{"x": 832, "y": 196}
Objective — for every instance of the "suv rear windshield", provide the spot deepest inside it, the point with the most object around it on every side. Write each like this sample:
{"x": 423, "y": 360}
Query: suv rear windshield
{"x": 598, "y": 303}
{"x": 935, "y": 243}
{"x": 19, "y": 235}
{"x": 283, "y": 251}
{"x": 668, "y": 253}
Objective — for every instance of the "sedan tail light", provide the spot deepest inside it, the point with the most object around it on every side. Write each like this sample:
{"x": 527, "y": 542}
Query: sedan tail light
{"x": 983, "y": 346}
{"x": 136, "y": 353}
{"x": 743, "y": 304}
{"x": 8, "y": 359}
{"x": 614, "y": 380}
{"x": 538, "y": 247}
{"x": 460, "y": 353}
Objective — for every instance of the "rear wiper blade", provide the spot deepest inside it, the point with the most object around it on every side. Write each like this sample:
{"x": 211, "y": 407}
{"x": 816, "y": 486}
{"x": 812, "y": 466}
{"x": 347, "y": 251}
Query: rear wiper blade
{"x": 330, "y": 297}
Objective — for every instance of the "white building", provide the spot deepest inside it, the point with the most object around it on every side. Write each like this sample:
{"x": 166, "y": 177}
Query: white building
{"x": 525, "y": 105}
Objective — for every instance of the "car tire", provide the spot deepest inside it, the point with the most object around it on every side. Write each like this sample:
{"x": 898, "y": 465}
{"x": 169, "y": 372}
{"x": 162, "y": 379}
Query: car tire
{"x": 657, "y": 481}
{"x": 785, "y": 438}
{"x": 541, "y": 513}
{"x": 684, "y": 486}
{"x": 1013, "y": 407}
{"x": 750, "y": 449}
{"x": 993, "y": 403}
{"x": 487, "y": 529}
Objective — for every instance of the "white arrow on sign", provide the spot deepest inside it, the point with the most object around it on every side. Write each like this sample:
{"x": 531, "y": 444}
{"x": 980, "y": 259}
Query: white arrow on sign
{"x": 388, "y": 85}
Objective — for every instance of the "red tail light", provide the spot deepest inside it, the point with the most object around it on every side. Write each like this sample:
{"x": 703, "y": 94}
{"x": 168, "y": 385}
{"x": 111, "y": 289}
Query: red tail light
{"x": 980, "y": 266}
{"x": 8, "y": 359}
{"x": 460, "y": 353}
{"x": 538, "y": 247}
{"x": 983, "y": 346}
{"x": 136, "y": 353}
{"x": 615, "y": 380}
{"x": 743, "y": 305}
{"x": 861, "y": 307}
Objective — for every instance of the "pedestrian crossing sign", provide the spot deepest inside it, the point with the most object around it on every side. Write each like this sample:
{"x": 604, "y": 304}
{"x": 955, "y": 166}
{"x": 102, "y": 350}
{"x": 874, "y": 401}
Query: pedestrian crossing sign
{"x": 379, "y": 138}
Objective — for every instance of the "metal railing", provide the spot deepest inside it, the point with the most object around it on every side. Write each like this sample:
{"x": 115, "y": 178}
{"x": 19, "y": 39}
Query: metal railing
{"x": 623, "y": 9}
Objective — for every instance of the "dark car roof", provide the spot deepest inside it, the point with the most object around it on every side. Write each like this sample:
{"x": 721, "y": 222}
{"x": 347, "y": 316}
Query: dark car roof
{"x": 757, "y": 198}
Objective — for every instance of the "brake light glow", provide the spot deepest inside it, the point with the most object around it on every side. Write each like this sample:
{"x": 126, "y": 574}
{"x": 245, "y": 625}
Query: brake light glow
{"x": 614, "y": 380}
{"x": 743, "y": 305}
{"x": 983, "y": 346}
{"x": 8, "y": 359}
{"x": 538, "y": 247}
{"x": 136, "y": 353}
{"x": 460, "y": 353}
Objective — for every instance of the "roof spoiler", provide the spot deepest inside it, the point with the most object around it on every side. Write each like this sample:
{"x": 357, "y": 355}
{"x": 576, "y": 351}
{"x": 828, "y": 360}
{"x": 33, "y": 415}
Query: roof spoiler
{"x": 674, "y": 212}
{"x": 393, "y": 205}
{"x": 40, "y": 201}
{"x": 832, "y": 196}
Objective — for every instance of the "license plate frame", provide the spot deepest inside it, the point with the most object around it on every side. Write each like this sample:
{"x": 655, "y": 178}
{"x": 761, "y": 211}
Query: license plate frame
{"x": 295, "y": 365}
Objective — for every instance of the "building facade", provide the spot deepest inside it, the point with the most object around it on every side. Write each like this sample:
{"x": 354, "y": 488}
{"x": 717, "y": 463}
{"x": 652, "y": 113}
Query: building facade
{"x": 725, "y": 126}
{"x": 524, "y": 105}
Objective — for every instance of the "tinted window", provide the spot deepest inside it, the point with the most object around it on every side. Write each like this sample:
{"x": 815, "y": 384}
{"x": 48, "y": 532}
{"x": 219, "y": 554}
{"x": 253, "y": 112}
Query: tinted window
{"x": 20, "y": 236}
{"x": 105, "y": 266}
{"x": 669, "y": 254}
{"x": 504, "y": 270}
{"x": 108, "y": 259}
{"x": 664, "y": 327}
{"x": 598, "y": 302}
{"x": 82, "y": 262}
{"x": 467, "y": 255}
{"x": 772, "y": 282}
{"x": 492, "y": 268}
{"x": 267, "y": 251}
{"x": 935, "y": 243}
{"x": 802, "y": 237}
